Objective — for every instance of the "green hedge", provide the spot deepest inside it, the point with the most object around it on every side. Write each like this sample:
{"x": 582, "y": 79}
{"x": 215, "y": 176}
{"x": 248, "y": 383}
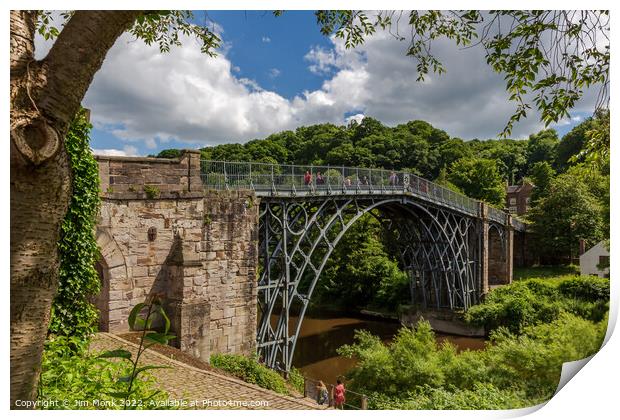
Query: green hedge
{"x": 250, "y": 370}
{"x": 535, "y": 301}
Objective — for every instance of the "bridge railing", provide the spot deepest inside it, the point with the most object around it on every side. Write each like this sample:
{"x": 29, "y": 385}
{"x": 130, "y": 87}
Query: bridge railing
{"x": 277, "y": 179}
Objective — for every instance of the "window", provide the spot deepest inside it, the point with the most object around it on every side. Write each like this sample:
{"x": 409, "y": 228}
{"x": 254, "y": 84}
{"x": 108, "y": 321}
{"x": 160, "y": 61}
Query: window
{"x": 513, "y": 201}
{"x": 527, "y": 200}
{"x": 512, "y": 209}
{"x": 603, "y": 260}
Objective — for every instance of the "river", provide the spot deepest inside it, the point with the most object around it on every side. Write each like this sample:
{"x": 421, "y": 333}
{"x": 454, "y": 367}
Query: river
{"x": 315, "y": 354}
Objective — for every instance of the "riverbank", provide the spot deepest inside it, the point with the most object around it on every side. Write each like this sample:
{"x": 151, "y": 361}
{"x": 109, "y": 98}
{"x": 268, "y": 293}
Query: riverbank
{"x": 322, "y": 334}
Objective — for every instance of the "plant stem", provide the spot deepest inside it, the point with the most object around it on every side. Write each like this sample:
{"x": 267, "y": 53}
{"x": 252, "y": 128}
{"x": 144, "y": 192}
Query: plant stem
{"x": 140, "y": 351}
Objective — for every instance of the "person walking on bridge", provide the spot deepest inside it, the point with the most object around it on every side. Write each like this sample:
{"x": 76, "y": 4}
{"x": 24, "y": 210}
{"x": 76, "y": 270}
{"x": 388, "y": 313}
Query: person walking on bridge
{"x": 393, "y": 179}
{"x": 308, "y": 179}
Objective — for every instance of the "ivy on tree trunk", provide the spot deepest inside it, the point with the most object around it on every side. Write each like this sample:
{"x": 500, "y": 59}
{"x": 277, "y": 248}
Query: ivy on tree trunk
{"x": 72, "y": 312}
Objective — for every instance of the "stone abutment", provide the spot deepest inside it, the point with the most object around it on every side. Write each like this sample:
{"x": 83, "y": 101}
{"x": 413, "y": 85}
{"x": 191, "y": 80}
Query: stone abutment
{"x": 161, "y": 234}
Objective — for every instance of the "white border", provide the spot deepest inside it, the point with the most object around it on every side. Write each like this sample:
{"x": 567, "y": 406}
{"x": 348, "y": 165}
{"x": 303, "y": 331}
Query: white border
{"x": 593, "y": 393}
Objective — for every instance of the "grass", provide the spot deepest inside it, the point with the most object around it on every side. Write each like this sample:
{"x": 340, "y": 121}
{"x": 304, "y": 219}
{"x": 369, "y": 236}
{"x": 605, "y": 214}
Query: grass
{"x": 558, "y": 273}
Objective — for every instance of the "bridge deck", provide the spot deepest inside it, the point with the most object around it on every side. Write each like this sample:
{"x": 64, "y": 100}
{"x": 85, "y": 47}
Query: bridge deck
{"x": 274, "y": 180}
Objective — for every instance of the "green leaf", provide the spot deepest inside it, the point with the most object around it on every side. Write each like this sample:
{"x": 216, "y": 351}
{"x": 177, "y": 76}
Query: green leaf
{"x": 134, "y": 314}
{"x": 166, "y": 319}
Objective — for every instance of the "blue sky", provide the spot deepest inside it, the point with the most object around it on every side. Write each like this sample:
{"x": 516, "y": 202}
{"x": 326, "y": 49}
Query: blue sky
{"x": 262, "y": 42}
{"x": 278, "y": 73}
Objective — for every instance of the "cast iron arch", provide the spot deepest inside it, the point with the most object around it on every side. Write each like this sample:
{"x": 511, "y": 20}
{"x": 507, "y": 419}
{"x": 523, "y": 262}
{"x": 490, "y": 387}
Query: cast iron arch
{"x": 298, "y": 237}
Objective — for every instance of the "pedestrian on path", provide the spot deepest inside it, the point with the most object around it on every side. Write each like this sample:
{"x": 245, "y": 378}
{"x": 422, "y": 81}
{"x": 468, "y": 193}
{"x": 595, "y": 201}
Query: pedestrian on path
{"x": 339, "y": 392}
{"x": 322, "y": 394}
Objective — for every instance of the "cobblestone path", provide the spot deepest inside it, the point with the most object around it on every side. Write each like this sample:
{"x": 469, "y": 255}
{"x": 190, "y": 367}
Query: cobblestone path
{"x": 204, "y": 389}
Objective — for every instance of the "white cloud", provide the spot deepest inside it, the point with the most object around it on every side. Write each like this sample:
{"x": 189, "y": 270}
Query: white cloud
{"x": 266, "y": 39}
{"x": 127, "y": 151}
{"x": 357, "y": 117}
{"x": 323, "y": 61}
{"x": 273, "y": 73}
{"x": 142, "y": 95}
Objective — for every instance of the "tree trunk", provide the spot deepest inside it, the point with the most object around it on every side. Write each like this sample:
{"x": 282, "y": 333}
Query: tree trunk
{"x": 44, "y": 97}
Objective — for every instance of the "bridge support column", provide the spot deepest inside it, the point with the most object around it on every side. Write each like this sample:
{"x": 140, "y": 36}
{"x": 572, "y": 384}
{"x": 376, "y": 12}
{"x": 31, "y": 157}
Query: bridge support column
{"x": 509, "y": 249}
{"x": 499, "y": 239}
{"x": 484, "y": 248}
{"x": 231, "y": 264}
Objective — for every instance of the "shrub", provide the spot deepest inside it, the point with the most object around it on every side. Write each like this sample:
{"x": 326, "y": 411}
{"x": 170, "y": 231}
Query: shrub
{"x": 413, "y": 372}
{"x": 533, "y": 360}
{"x": 296, "y": 379}
{"x": 69, "y": 373}
{"x": 591, "y": 289}
{"x": 481, "y": 397}
{"x": 250, "y": 370}
{"x": 535, "y": 301}
{"x": 151, "y": 191}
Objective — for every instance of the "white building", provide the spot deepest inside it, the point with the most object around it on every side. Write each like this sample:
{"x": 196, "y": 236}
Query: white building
{"x": 589, "y": 260}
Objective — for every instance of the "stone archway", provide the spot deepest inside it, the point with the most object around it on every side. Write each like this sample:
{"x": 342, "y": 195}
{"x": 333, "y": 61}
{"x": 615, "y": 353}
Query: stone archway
{"x": 113, "y": 300}
{"x": 102, "y": 300}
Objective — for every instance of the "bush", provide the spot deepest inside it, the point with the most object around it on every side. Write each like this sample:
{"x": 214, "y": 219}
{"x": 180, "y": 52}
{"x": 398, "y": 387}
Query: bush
{"x": 481, "y": 397}
{"x": 413, "y": 372}
{"x": 296, "y": 379}
{"x": 533, "y": 360}
{"x": 69, "y": 373}
{"x": 413, "y": 359}
{"x": 250, "y": 370}
{"x": 535, "y": 301}
{"x": 591, "y": 289}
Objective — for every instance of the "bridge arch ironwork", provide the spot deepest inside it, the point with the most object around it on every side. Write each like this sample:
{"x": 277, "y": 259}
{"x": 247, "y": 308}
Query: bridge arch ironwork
{"x": 306, "y": 210}
{"x": 439, "y": 250}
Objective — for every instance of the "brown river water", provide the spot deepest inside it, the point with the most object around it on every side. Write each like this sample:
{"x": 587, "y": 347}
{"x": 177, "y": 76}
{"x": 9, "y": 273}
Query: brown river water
{"x": 315, "y": 353}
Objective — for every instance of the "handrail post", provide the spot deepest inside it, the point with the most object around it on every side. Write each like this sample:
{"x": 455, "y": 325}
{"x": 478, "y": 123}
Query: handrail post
{"x": 293, "y": 187}
{"x": 225, "y": 177}
{"x": 305, "y": 388}
{"x": 250, "y": 170}
{"x": 364, "y": 405}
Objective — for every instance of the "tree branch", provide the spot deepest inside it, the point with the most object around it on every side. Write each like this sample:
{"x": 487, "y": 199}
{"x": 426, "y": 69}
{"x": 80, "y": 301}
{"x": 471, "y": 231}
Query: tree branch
{"x": 75, "y": 57}
{"x": 22, "y": 39}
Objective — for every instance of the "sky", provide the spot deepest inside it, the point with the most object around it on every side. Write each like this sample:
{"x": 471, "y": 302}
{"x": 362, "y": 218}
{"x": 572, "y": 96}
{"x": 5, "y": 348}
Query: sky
{"x": 278, "y": 73}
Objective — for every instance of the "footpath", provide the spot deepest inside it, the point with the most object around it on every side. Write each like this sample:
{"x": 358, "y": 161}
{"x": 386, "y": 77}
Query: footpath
{"x": 203, "y": 389}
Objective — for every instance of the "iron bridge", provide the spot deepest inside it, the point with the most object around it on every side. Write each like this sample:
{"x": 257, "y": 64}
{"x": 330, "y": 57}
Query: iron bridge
{"x": 306, "y": 210}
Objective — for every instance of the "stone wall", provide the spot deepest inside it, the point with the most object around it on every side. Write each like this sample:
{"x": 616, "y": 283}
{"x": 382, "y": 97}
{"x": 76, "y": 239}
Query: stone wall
{"x": 524, "y": 255}
{"x": 497, "y": 252}
{"x": 497, "y": 258}
{"x": 198, "y": 252}
{"x": 231, "y": 237}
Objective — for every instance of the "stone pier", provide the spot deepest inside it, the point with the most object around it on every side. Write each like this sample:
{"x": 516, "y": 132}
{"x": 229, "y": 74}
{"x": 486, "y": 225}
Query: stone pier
{"x": 160, "y": 233}
{"x": 497, "y": 250}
